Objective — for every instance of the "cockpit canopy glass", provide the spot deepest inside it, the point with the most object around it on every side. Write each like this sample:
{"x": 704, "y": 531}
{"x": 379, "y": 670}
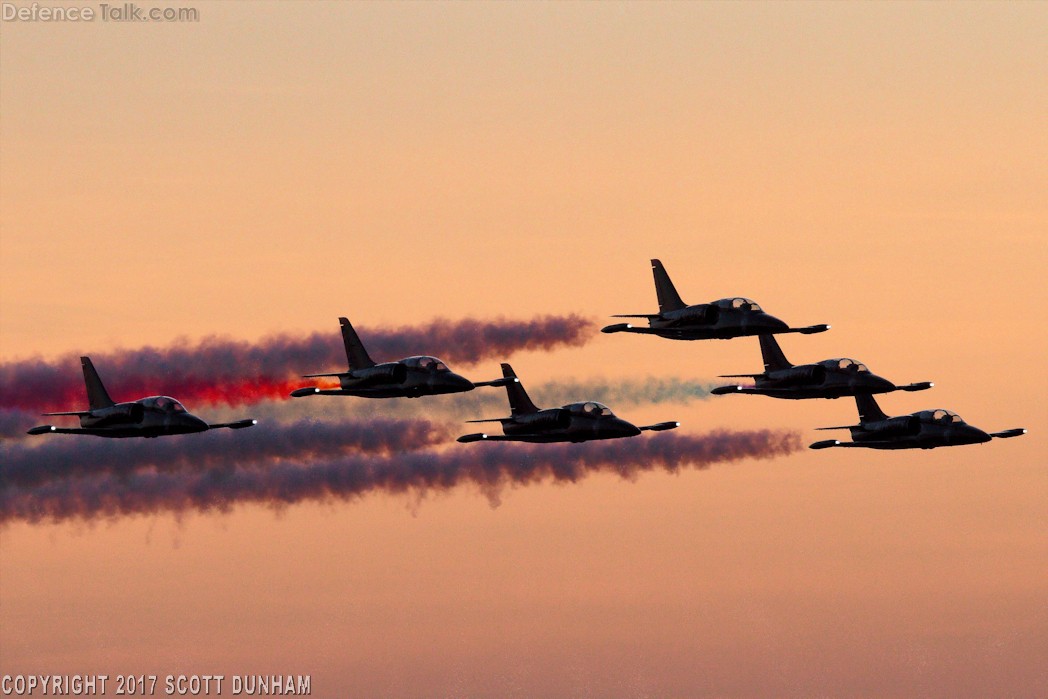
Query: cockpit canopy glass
{"x": 745, "y": 304}
{"x": 428, "y": 363}
{"x": 852, "y": 365}
{"x": 946, "y": 416}
{"x": 596, "y": 409}
{"x": 169, "y": 405}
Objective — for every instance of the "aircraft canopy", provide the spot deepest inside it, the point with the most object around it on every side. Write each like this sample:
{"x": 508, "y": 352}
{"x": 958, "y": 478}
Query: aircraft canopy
{"x": 592, "y": 408}
{"x": 946, "y": 416}
{"x": 165, "y": 403}
{"x": 745, "y": 304}
{"x": 429, "y": 363}
{"x": 852, "y": 365}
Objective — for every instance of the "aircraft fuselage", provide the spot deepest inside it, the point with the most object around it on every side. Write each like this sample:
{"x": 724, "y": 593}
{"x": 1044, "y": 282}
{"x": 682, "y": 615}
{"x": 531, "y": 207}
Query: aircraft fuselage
{"x": 141, "y": 418}
{"x": 561, "y": 425}
{"x": 393, "y": 380}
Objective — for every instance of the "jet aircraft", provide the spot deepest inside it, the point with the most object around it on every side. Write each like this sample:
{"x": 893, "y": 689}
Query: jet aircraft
{"x": 575, "y": 422}
{"x": 830, "y": 378}
{"x": 407, "y": 378}
{"x": 926, "y": 429}
{"x": 155, "y": 416}
{"x": 717, "y": 320}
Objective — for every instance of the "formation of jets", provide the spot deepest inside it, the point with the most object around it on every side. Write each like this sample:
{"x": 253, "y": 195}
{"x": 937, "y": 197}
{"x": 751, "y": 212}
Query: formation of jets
{"x": 423, "y": 375}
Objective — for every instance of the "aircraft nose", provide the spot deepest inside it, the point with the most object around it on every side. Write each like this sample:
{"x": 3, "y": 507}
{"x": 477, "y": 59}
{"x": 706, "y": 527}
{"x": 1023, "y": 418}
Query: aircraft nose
{"x": 771, "y": 322}
{"x": 461, "y": 382}
{"x": 626, "y": 429}
{"x": 195, "y": 423}
{"x": 879, "y": 383}
{"x": 976, "y": 435}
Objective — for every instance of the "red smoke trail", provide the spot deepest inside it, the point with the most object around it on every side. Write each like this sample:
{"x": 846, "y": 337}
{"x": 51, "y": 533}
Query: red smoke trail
{"x": 491, "y": 467}
{"x": 60, "y": 457}
{"x": 232, "y": 372}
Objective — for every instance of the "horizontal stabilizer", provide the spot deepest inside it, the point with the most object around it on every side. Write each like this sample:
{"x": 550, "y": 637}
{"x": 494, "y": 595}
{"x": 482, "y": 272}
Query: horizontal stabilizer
{"x": 921, "y": 386}
{"x": 649, "y": 316}
{"x": 660, "y": 427}
{"x": 811, "y": 329}
{"x": 825, "y": 444}
{"x": 302, "y": 392}
{"x": 71, "y": 412}
{"x": 724, "y": 390}
{"x": 839, "y": 427}
{"x": 42, "y": 429}
{"x": 492, "y": 419}
{"x": 1017, "y": 432}
{"x": 739, "y": 376}
{"x": 238, "y": 425}
{"x": 336, "y": 375}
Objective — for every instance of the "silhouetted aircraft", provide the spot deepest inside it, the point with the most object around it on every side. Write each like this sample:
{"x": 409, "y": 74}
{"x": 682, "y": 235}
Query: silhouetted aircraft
{"x": 156, "y": 416}
{"x": 717, "y": 320}
{"x": 575, "y": 422}
{"x": 830, "y": 378}
{"x": 926, "y": 429}
{"x": 407, "y": 378}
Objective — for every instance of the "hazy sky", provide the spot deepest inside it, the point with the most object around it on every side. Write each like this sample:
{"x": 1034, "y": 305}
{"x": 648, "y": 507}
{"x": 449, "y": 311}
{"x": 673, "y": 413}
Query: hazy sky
{"x": 880, "y": 167}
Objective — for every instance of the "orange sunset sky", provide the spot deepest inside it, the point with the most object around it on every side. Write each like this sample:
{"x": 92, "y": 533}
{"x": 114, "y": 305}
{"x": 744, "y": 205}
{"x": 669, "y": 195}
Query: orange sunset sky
{"x": 882, "y": 167}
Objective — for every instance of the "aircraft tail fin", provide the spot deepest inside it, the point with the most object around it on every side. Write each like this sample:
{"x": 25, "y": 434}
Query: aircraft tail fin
{"x": 774, "y": 359}
{"x": 869, "y": 411}
{"x": 97, "y": 397}
{"x": 669, "y": 299}
{"x": 356, "y": 355}
{"x": 519, "y": 401}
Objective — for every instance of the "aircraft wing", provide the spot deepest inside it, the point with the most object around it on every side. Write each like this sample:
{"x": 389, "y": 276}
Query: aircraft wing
{"x": 827, "y": 443}
{"x": 660, "y": 426}
{"x": 919, "y": 386}
{"x": 1005, "y": 434}
{"x": 810, "y": 329}
{"x": 629, "y": 328}
{"x": 51, "y": 429}
{"x": 482, "y": 437}
{"x": 238, "y": 425}
{"x": 498, "y": 382}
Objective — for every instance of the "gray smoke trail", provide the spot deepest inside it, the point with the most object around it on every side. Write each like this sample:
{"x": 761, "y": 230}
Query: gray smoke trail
{"x": 492, "y": 402}
{"x": 75, "y": 456}
{"x": 219, "y": 370}
{"x": 490, "y": 467}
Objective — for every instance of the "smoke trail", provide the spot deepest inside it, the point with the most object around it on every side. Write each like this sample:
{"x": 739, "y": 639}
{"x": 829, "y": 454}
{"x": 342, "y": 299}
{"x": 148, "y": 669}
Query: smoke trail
{"x": 218, "y": 370}
{"x": 620, "y": 396}
{"x": 62, "y": 457}
{"x": 490, "y": 467}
